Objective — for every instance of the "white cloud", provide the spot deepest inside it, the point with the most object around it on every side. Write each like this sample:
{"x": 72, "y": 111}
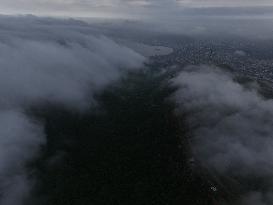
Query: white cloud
{"x": 47, "y": 60}
{"x": 113, "y": 8}
{"x": 216, "y": 3}
{"x": 231, "y": 126}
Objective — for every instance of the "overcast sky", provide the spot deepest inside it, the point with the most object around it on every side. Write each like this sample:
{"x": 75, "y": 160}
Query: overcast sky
{"x": 118, "y": 8}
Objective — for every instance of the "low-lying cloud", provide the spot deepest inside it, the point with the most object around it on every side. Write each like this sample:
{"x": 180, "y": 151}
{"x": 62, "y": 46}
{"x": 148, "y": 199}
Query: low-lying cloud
{"x": 47, "y": 61}
{"x": 232, "y": 128}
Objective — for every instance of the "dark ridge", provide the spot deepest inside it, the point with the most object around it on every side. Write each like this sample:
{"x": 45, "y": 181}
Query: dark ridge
{"x": 130, "y": 150}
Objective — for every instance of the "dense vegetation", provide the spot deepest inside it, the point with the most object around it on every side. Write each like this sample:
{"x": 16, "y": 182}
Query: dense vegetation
{"x": 129, "y": 149}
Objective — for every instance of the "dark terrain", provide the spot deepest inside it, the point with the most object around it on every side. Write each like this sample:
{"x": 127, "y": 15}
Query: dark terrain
{"x": 129, "y": 150}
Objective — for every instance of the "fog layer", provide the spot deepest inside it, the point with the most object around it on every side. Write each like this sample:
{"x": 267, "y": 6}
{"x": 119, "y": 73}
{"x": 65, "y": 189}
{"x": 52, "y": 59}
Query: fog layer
{"x": 232, "y": 128}
{"x": 47, "y": 61}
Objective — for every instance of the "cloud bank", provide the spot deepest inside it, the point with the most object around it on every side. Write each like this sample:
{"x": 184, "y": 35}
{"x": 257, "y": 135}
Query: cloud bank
{"x": 232, "y": 129}
{"x": 117, "y": 8}
{"x": 47, "y": 61}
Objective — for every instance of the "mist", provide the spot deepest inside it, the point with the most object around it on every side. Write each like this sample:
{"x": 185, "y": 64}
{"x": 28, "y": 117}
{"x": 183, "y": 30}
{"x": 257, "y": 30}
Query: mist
{"x": 57, "y": 72}
{"x": 231, "y": 127}
{"x": 45, "y": 60}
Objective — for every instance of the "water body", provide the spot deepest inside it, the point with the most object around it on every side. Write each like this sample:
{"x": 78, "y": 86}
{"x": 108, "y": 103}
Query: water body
{"x": 148, "y": 50}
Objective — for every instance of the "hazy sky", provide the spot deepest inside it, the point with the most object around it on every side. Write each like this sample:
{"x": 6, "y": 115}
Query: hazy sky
{"x": 118, "y": 8}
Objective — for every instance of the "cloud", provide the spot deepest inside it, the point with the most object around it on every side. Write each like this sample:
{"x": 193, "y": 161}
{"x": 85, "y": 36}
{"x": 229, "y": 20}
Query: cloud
{"x": 46, "y": 60}
{"x": 19, "y": 141}
{"x": 221, "y": 3}
{"x": 116, "y": 8}
{"x": 232, "y": 128}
